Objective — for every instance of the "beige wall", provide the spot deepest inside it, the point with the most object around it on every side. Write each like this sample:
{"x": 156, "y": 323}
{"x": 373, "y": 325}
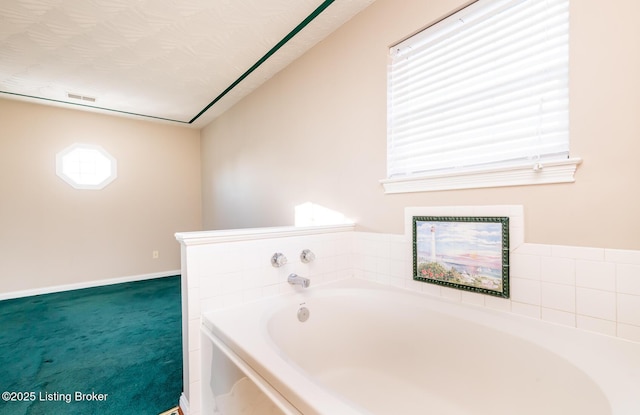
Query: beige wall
{"x": 316, "y": 132}
{"x": 52, "y": 234}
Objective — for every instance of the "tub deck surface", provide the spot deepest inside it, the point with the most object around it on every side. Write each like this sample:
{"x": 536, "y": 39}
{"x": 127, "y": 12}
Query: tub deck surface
{"x": 372, "y": 349}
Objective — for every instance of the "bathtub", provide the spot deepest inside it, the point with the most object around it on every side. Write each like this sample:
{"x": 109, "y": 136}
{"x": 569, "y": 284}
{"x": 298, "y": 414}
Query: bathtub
{"x": 371, "y": 349}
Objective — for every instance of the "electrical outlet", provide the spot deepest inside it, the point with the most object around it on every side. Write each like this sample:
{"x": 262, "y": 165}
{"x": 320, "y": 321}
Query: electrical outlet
{"x": 155, "y": 254}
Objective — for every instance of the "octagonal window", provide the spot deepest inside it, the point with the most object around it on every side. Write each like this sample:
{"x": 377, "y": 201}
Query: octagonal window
{"x": 86, "y": 166}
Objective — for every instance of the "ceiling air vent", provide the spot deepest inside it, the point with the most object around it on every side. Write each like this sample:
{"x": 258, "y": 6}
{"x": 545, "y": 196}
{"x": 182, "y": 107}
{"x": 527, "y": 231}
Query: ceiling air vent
{"x": 80, "y": 97}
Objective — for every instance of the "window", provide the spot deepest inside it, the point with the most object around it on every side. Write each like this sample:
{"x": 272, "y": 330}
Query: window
{"x": 86, "y": 166}
{"x": 481, "y": 99}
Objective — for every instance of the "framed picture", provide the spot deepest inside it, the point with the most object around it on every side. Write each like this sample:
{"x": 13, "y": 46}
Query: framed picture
{"x": 467, "y": 253}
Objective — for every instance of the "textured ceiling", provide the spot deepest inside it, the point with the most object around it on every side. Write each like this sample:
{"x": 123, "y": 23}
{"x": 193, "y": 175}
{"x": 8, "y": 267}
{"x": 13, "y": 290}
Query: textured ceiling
{"x": 185, "y": 61}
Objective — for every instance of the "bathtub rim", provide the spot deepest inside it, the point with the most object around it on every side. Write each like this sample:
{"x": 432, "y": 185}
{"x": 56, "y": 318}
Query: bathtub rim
{"x": 304, "y": 398}
{"x": 281, "y": 402}
{"x": 617, "y": 392}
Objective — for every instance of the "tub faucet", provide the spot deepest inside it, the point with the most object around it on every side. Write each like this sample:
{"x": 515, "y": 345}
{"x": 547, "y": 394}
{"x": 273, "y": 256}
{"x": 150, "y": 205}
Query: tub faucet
{"x": 295, "y": 279}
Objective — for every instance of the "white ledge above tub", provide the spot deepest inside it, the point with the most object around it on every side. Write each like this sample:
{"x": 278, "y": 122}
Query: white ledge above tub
{"x": 547, "y": 173}
{"x": 232, "y": 235}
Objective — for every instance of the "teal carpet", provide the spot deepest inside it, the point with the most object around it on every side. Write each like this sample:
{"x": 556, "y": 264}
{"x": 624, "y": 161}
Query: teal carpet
{"x": 122, "y": 341}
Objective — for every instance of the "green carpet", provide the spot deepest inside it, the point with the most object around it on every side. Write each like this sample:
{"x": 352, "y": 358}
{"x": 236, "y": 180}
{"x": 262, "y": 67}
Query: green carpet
{"x": 122, "y": 341}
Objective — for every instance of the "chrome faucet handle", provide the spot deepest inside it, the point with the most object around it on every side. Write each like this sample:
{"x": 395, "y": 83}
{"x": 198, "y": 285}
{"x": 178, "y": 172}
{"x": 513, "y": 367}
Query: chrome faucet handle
{"x": 307, "y": 256}
{"x": 278, "y": 260}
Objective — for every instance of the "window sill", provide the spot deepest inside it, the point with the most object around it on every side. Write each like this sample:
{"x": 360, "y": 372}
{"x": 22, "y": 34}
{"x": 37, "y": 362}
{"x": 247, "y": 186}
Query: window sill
{"x": 523, "y": 175}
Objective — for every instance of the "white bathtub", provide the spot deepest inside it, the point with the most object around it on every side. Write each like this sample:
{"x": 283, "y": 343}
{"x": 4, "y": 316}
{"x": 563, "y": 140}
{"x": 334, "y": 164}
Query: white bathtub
{"x": 370, "y": 349}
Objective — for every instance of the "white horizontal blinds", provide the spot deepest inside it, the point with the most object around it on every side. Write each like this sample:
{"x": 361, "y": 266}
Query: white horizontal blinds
{"x": 486, "y": 86}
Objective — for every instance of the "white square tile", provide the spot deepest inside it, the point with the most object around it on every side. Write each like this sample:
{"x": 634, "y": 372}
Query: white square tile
{"x": 578, "y": 252}
{"x": 558, "y": 317}
{"x": 628, "y": 279}
{"x": 596, "y": 325}
{"x": 216, "y": 259}
{"x": 497, "y": 303}
{"x": 629, "y": 309}
{"x": 399, "y": 269}
{"x": 527, "y": 310}
{"x": 231, "y": 282}
{"x": 192, "y": 272}
{"x": 370, "y": 263}
{"x": 400, "y": 250}
{"x": 525, "y": 291}
{"x": 516, "y": 236}
{"x": 251, "y": 294}
{"x": 210, "y": 304}
{"x": 195, "y": 365}
{"x": 629, "y": 332}
{"x": 209, "y": 286}
{"x": 257, "y": 254}
{"x": 358, "y": 243}
{"x": 451, "y": 294}
{"x": 596, "y": 274}
{"x": 344, "y": 262}
{"x": 318, "y": 266}
{"x": 413, "y": 285}
{"x": 473, "y": 298}
{"x": 596, "y": 303}
{"x": 622, "y": 256}
{"x": 558, "y": 270}
{"x": 431, "y": 289}
{"x": 524, "y": 266}
{"x": 383, "y": 266}
{"x": 259, "y": 277}
{"x": 194, "y": 334}
{"x": 396, "y": 282}
{"x": 383, "y": 279}
{"x": 533, "y": 249}
{"x": 358, "y": 262}
{"x": 270, "y": 290}
{"x": 195, "y": 397}
{"x": 358, "y": 273}
{"x": 231, "y": 299}
{"x": 193, "y": 303}
{"x": 558, "y": 296}
{"x": 375, "y": 244}
{"x": 346, "y": 242}
{"x": 323, "y": 246}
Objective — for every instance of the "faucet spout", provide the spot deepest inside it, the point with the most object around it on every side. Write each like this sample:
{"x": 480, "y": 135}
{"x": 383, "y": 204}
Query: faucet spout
{"x": 295, "y": 279}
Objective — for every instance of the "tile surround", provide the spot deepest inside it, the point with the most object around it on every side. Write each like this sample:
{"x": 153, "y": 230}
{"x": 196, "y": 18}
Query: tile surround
{"x": 628, "y": 280}
{"x": 558, "y": 296}
{"x": 593, "y": 289}
{"x": 223, "y": 270}
{"x": 574, "y": 286}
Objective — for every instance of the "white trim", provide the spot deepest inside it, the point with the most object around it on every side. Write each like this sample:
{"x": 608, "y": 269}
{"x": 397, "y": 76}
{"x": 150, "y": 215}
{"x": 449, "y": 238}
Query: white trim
{"x": 184, "y": 404}
{"x": 522, "y": 175}
{"x": 265, "y": 387}
{"x": 87, "y": 284}
{"x": 232, "y": 235}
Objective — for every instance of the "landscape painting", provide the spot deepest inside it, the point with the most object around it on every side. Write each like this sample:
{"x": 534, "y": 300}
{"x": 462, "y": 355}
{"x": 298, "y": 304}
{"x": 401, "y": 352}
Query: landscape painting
{"x": 468, "y": 253}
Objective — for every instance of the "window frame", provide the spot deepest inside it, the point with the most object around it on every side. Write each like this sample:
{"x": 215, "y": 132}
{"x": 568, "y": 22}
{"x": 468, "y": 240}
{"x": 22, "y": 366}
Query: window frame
{"x": 560, "y": 170}
{"x": 72, "y": 181}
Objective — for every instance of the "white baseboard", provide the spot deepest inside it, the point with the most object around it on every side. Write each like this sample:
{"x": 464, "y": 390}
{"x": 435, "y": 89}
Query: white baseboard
{"x": 87, "y": 284}
{"x": 184, "y": 404}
